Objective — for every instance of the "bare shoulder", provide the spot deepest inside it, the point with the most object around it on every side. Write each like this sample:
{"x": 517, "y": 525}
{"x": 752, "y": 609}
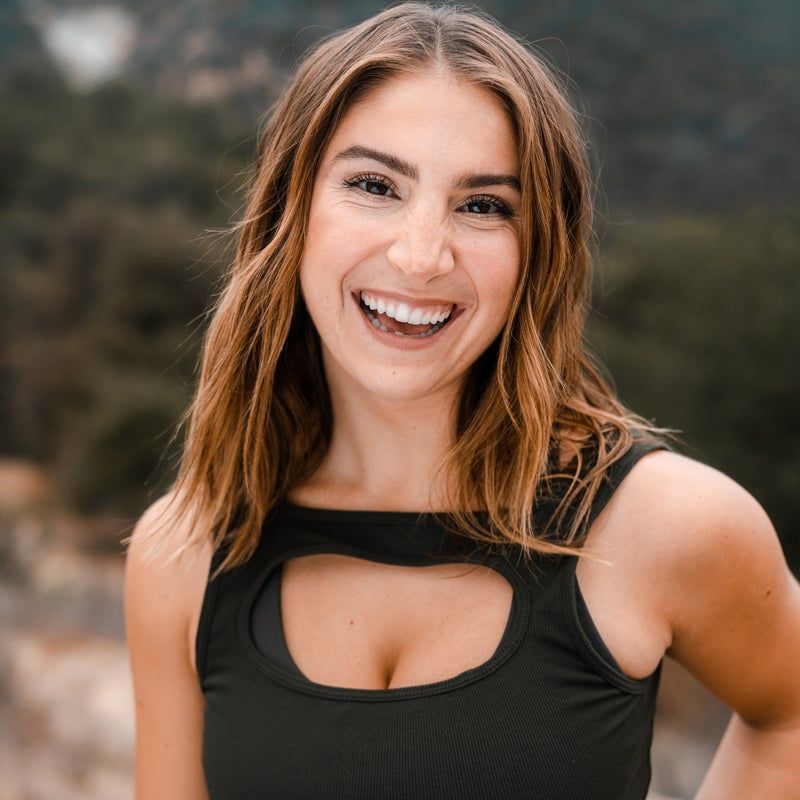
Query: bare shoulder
{"x": 162, "y": 591}
{"x": 717, "y": 573}
{"x": 173, "y": 586}
{"x": 702, "y": 523}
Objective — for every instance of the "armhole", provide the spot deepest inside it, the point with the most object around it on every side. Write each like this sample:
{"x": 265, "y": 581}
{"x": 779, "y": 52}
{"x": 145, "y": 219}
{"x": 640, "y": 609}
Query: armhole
{"x": 206, "y": 616}
{"x": 582, "y": 637}
{"x": 581, "y": 625}
{"x": 589, "y": 628}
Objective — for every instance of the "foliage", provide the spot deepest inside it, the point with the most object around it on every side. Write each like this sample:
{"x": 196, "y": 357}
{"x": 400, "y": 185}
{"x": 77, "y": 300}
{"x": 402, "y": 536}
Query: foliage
{"x": 695, "y": 319}
{"x": 109, "y": 265}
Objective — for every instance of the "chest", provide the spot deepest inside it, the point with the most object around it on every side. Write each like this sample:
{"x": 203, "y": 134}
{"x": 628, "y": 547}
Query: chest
{"x": 362, "y": 624}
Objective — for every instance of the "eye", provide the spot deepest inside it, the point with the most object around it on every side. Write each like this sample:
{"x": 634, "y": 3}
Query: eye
{"x": 488, "y": 200}
{"x": 372, "y": 182}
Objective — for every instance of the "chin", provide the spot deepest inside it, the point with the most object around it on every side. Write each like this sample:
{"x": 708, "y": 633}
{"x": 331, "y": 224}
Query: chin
{"x": 399, "y": 388}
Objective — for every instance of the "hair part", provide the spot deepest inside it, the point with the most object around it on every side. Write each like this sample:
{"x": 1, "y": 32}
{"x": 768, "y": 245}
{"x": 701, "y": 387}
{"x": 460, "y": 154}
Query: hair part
{"x": 260, "y": 421}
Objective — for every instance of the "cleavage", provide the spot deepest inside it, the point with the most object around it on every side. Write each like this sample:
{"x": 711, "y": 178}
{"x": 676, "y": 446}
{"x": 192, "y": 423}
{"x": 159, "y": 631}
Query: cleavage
{"x": 349, "y": 622}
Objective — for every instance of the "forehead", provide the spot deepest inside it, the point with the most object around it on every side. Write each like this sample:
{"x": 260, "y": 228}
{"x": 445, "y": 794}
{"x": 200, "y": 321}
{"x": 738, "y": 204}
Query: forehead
{"x": 433, "y": 118}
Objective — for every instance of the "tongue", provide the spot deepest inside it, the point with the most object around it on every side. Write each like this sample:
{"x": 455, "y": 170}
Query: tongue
{"x": 400, "y": 327}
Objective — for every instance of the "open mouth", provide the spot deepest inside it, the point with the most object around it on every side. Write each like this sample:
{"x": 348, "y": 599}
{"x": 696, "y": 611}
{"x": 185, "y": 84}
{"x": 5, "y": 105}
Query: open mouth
{"x": 388, "y": 324}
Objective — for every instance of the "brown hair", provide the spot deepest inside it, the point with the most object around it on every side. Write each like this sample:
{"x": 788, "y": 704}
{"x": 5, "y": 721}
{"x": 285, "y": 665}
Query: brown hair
{"x": 260, "y": 421}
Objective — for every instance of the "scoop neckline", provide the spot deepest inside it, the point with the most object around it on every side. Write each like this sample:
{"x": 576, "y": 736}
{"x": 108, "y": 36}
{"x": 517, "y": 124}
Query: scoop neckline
{"x": 513, "y": 632}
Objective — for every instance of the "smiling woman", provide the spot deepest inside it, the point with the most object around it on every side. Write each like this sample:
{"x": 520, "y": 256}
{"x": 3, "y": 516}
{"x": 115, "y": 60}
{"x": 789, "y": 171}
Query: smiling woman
{"x": 416, "y": 546}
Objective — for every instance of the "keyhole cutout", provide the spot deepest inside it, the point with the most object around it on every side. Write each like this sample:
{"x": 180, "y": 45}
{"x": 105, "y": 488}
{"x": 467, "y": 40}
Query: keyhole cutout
{"x": 353, "y": 623}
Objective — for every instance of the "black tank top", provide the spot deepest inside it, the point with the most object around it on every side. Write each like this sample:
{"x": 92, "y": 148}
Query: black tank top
{"x": 549, "y": 716}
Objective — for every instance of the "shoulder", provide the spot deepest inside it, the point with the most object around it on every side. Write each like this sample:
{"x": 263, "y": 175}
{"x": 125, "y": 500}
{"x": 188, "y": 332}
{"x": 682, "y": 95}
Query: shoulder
{"x": 701, "y": 523}
{"x": 165, "y": 580}
{"x": 162, "y": 538}
{"x": 718, "y": 575}
{"x": 700, "y": 519}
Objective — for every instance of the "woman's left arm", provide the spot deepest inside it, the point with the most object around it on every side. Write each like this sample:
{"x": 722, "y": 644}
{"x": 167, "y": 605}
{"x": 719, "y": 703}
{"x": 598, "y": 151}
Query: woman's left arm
{"x": 734, "y": 610}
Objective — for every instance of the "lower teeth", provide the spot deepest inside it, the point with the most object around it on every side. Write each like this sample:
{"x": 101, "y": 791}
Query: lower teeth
{"x": 378, "y": 324}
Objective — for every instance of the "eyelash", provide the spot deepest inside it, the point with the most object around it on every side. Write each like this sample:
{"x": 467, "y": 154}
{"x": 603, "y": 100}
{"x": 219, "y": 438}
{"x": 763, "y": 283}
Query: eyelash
{"x": 504, "y": 210}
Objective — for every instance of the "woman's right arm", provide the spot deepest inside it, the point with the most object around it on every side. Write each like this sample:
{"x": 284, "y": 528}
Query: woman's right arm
{"x": 160, "y": 603}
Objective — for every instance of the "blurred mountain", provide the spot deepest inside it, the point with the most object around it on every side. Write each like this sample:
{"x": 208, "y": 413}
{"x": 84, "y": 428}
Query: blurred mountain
{"x": 687, "y": 103}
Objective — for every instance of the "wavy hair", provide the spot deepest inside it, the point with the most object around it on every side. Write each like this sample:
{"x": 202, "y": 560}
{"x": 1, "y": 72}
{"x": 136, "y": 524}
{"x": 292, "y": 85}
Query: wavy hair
{"x": 260, "y": 421}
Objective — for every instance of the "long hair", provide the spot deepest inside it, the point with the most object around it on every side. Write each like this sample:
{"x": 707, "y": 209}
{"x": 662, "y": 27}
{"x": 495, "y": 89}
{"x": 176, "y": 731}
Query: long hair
{"x": 260, "y": 421}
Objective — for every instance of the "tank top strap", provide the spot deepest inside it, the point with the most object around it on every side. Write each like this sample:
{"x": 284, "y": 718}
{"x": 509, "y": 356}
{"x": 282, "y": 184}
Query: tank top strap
{"x": 617, "y": 472}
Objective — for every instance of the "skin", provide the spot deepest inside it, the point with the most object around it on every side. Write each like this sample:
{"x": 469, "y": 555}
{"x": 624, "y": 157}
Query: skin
{"x": 695, "y": 569}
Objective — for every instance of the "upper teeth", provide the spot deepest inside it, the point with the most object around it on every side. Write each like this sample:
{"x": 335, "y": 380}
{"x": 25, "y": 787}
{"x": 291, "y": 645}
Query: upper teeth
{"x": 402, "y": 312}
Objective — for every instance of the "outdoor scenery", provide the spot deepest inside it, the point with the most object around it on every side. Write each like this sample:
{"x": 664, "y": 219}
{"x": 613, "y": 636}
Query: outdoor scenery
{"x": 126, "y": 139}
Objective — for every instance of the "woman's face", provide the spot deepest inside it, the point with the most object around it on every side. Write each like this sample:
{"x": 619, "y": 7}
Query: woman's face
{"x": 413, "y": 210}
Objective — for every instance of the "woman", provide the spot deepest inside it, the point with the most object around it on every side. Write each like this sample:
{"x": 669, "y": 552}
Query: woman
{"x": 394, "y": 386}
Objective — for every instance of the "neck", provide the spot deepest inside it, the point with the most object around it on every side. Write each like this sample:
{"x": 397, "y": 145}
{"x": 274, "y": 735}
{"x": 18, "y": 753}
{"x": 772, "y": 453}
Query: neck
{"x": 384, "y": 452}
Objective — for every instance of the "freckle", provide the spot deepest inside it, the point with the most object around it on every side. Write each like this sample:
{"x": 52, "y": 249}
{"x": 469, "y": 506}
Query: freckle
{"x": 769, "y": 592}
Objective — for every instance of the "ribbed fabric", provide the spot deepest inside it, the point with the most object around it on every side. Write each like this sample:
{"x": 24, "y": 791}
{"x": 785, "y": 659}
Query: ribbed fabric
{"x": 549, "y": 716}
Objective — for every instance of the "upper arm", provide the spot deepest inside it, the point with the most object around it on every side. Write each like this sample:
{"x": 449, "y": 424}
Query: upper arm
{"x": 733, "y": 604}
{"x": 168, "y": 700}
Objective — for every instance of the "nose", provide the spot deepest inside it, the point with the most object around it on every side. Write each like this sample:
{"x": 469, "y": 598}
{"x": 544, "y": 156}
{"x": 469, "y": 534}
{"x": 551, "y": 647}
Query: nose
{"x": 422, "y": 247}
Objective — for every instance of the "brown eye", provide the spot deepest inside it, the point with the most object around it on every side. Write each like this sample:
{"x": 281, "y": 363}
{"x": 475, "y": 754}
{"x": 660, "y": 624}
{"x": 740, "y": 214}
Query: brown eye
{"x": 488, "y": 200}
{"x": 368, "y": 180}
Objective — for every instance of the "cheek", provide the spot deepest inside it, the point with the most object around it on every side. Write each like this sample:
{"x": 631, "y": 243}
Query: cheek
{"x": 337, "y": 238}
{"x": 321, "y": 263}
{"x": 496, "y": 276}
{"x": 500, "y": 304}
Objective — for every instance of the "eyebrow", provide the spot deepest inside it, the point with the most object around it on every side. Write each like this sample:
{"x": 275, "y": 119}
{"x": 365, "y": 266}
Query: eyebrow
{"x": 411, "y": 171}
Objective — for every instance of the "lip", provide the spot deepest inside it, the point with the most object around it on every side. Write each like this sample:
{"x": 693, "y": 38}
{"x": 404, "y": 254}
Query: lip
{"x": 404, "y": 342}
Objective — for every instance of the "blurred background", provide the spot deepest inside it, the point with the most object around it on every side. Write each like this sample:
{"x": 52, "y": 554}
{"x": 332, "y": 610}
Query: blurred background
{"x": 126, "y": 135}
